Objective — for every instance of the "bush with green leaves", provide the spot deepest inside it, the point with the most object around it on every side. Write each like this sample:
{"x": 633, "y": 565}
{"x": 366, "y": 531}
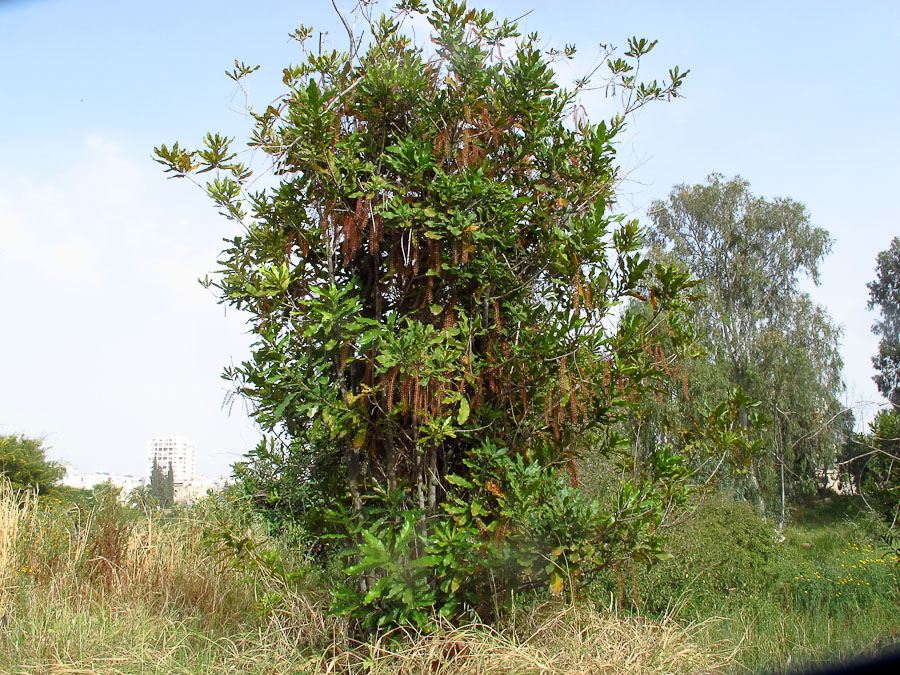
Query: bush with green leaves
{"x": 23, "y": 462}
{"x": 434, "y": 284}
{"x": 724, "y": 551}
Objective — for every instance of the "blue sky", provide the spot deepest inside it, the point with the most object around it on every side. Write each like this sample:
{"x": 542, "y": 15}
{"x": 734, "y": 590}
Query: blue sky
{"x": 107, "y": 339}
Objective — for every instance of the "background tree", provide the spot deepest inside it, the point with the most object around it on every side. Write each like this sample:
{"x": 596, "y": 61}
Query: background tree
{"x": 762, "y": 333}
{"x": 161, "y": 488}
{"x": 23, "y": 461}
{"x": 170, "y": 487}
{"x": 874, "y": 460}
{"x": 433, "y": 284}
{"x": 141, "y": 498}
{"x": 884, "y": 293}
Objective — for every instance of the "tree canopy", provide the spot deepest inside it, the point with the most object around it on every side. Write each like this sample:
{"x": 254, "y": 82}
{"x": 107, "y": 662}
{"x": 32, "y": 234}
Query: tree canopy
{"x": 763, "y": 334}
{"x": 434, "y": 285}
{"x": 884, "y": 293}
{"x": 23, "y": 461}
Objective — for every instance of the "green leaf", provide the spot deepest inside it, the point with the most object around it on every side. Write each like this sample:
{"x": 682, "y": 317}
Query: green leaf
{"x": 556, "y": 584}
{"x": 453, "y": 479}
{"x": 463, "y": 412}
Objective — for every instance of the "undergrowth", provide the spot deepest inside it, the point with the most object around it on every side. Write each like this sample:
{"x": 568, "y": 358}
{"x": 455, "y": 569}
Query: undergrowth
{"x": 210, "y": 589}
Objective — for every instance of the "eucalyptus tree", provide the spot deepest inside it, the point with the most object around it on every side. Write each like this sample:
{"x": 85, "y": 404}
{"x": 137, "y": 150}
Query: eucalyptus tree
{"x": 762, "y": 333}
{"x": 875, "y": 459}
{"x": 433, "y": 285}
{"x": 884, "y": 293}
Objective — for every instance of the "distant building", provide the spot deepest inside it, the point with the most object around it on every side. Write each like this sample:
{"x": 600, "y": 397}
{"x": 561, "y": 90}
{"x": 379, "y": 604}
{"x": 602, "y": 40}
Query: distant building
{"x": 198, "y": 488}
{"x": 175, "y": 450}
{"x": 87, "y": 481}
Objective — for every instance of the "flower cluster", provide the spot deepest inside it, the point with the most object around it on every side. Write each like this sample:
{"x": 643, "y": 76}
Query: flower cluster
{"x": 860, "y": 566}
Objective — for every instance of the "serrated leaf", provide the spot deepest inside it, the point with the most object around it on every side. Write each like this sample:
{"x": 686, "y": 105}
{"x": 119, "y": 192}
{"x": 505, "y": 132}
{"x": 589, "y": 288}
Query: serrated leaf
{"x": 436, "y": 309}
{"x": 433, "y": 235}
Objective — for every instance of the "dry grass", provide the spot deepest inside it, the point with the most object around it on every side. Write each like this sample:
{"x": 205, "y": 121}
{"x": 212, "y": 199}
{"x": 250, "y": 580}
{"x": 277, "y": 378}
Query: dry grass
{"x": 566, "y": 641}
{"x": 10, "y": 518}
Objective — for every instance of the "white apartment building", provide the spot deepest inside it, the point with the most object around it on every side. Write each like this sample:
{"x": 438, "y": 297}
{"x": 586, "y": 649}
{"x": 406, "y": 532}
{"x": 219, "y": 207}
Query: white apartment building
{"x": 87, "y": 481}
{"x": 178, "y": 451}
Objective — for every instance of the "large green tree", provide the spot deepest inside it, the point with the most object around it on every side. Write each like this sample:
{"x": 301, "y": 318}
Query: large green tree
{"x": 875, "y": 458}
{"x": 884, "y": 293}
{"x": 23, "y": 462}
{"x": 434, "y": 284}
{"x": 762, "y": 333}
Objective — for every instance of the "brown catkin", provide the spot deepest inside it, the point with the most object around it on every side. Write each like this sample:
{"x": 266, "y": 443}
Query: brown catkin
{"x": 434, "y": 252}
{"x": 573, "y": 405}
{"x": 573, "y": 472}
{"x": 404, "y": 393}
{"x": 449, "y": 318}
{"x": 389, "y": 388}
{"x": 547, "y": 409}
{"x": 373, "y": 234}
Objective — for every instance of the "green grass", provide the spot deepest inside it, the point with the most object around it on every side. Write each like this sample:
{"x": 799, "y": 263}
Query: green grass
{"x": 822, "y": 592}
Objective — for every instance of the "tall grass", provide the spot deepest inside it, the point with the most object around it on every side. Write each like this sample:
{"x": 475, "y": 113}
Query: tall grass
{"x": 106, "y": 590}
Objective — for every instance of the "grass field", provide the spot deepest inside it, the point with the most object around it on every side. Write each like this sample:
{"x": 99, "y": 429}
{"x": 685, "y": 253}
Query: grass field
{"x": 109, "y": 590}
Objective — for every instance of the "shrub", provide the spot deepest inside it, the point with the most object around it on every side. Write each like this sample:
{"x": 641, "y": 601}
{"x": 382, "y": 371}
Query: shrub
{"x": 723, "y": 553}
{"x": 432, "y": 284}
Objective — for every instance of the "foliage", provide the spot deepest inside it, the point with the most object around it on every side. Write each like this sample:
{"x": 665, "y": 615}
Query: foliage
{"x": 509, "y": 527}
{"x": 874, "y": 463}
{"x": 141, "y": 498}
{"x": 434, "y": 285}
{"x": 171, "y": 606}
{"x": 884, "y": 293}
{"x": 23, "y": 462}
{"x": 162, "y": 487}
{"x": 724, "y": 546}
{"x": 762, "y": 333}
{"x": 825, "y": 593}
{"x": 873, "y": 459}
